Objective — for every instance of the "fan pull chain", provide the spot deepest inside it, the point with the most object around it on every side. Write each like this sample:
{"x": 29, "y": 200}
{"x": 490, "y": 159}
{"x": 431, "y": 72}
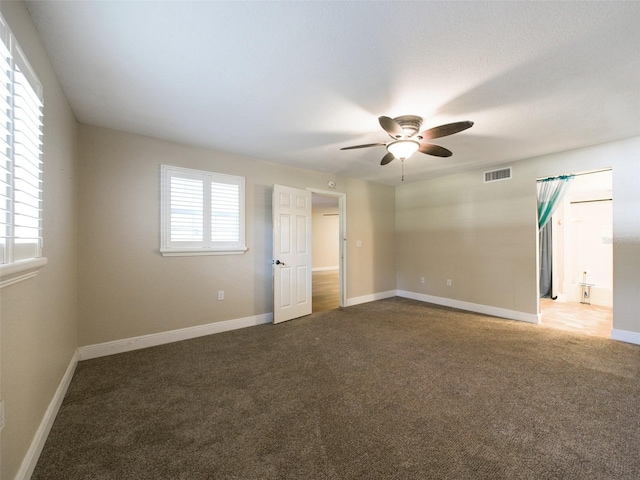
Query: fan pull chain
{"x": 402, "y": 163}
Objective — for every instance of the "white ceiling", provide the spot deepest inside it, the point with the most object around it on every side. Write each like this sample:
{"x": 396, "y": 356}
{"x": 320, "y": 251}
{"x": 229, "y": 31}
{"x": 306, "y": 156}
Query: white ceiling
{"x": 293, "y": 82}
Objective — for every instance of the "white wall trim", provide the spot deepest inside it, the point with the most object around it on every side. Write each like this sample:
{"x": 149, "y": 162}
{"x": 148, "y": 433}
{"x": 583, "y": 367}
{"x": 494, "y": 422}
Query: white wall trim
{"x": 370, "y": 298}
{"x": 33, "y": 454}
{"x": 17, "y": 272}
{"x": 472, "y": 307}
{"x": 625, "y": 336}
{"x": 154, "y": 339}
{"x": 325, "y": 269}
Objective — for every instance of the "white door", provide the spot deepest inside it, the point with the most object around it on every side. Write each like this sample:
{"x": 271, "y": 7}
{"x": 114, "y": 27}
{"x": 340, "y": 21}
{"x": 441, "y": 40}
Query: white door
{"x": 291, "y": 253}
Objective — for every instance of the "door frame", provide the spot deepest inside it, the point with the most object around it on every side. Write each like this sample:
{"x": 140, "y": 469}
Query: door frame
{"x": 342, "y": 238}
{"x": 554, "y": 255}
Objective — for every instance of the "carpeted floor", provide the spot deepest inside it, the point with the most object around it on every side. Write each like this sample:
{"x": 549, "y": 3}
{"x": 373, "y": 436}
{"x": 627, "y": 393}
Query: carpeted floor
{"x": 394, "y": 389}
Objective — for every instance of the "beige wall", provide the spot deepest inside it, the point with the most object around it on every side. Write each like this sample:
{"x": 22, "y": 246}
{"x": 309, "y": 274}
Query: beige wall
{"x": 128, "y": 289}
{"x": 38, "y": 315}
{"x": 326, "y": 237}
{"x": 483, "y": 236}
{"x": 480, "y": 236}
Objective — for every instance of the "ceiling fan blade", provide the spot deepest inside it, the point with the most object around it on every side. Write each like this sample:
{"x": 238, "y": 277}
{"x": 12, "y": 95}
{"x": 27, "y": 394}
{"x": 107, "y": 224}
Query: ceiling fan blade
{"x": 390, "y": 126}
{"x": 363, "y": 146}
{"x": 444, "y": 130}
{"x": 436, "y": 150}
{"x": 387, "y": 158}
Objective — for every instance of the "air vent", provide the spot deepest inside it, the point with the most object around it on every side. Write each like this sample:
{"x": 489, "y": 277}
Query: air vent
{"x": 496, "y": 175}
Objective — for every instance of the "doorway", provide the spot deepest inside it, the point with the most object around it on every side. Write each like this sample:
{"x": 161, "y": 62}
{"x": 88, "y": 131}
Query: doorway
{"x": 292, "y": 211}
{"x": 327, "y": 254}
{"x": 581, "y": 297}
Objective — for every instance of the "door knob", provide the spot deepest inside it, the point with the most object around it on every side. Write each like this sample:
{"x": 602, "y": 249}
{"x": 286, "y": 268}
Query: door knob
{"x": 278, "y": 262}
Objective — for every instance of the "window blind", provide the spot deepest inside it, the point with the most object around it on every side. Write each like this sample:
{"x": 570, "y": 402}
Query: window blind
{"x": 187, "y": 210}
{"x": 202, "y": 212}
{"x": 21, "y": 172}
{"x": 225, "y": 212}
{"x": 6, "y": 154}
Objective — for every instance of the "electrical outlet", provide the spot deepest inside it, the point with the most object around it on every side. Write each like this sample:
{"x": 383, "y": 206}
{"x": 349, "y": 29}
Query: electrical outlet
{"x": 220, "y": 294}
{"x": 448, "y": 282}
{"x": 421, "y": 279}
{"x": 1, "y": 414}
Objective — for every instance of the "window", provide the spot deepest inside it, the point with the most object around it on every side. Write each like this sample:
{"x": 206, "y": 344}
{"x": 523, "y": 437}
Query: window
{"x": 21, "y": 116}
{"x": 202, "y": 213}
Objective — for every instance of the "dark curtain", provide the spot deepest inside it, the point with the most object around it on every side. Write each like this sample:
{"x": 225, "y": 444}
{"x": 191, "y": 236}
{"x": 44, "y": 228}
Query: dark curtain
{"x": 545, "y": 261}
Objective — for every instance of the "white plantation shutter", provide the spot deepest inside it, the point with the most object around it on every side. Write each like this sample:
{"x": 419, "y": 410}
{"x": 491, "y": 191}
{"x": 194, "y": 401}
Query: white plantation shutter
{"x": 6, "y": 153}
{"x": 202, "y": 213}
{"x": 20, "y": 154}
{"x": 187, "y": 210}
{"x": 225, "y": 212}
{"x": 27, "y": 169}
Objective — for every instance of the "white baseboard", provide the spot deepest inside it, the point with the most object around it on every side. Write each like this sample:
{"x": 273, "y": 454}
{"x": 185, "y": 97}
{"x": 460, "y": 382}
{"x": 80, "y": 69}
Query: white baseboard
{"x": 370, "y": 298}
{"x": 152, "y": 340}
{"x": 472, "y": 307}
{"x": 325, "y": 269}
{"x": 33, "y": 454}
{"x": 625, "y": 336}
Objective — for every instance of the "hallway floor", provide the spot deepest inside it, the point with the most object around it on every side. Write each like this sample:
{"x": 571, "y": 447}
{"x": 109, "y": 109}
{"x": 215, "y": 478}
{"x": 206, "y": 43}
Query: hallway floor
{"x": 325, "y": 290}
{"x": 594, "y": 320}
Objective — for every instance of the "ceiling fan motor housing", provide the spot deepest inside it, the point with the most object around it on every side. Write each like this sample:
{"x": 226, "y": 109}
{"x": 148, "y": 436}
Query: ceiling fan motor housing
{"x": 410, "y": 125}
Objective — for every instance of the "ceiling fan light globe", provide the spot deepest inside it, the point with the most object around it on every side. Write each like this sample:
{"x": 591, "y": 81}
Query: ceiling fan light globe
{"x": 403, "y": 149}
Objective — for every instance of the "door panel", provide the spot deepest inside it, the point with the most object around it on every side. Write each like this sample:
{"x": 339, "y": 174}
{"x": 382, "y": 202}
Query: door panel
{"x": 285, "y": 238}
{"x": 291, "y": 253}
{"x": 301, "y": 278}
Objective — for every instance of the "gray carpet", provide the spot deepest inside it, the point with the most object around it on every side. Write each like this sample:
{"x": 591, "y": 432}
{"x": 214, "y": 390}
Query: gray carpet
{"x": 394, "y": 389}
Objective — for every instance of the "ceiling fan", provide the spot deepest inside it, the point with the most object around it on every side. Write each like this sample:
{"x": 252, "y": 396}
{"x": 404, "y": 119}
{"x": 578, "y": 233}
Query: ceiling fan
{"x": 406, "y": 139}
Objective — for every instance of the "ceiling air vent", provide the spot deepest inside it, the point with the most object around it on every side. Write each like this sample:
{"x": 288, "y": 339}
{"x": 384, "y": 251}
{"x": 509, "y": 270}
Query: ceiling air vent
{"x": 495, "y": 175}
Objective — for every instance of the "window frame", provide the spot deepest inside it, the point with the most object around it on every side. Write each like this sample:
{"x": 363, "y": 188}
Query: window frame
{"x": 14, "y": 267}
{"x": 207, "y": 246}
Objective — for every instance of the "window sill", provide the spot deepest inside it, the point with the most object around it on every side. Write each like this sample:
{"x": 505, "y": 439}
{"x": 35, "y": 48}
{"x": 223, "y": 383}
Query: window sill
{"x": 191, "y": 252}
{"x": 16, "y": 272}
